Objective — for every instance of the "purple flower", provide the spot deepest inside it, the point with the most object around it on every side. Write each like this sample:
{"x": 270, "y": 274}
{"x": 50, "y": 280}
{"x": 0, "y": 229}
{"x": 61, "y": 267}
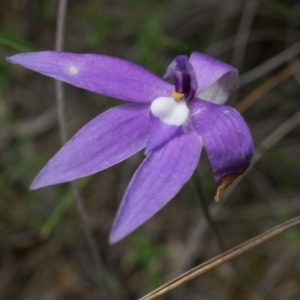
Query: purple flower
{"x": 171, "y": 122}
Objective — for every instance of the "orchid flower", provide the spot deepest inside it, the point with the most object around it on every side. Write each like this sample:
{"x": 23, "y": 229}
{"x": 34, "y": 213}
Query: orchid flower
{"x": 172, "y": 123}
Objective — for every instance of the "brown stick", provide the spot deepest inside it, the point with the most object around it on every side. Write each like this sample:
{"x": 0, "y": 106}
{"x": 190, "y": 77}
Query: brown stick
{"x": 221, "y": 259}
{"x": 268, "y": 86}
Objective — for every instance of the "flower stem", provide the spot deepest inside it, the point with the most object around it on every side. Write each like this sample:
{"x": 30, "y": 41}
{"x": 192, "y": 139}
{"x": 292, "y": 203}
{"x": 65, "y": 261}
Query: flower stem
{"x": 240, "y": 274}
{"x": 60, "y": 104}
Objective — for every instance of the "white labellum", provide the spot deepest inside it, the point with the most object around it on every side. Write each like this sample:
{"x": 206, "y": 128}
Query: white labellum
{"x": 170, "y": 111}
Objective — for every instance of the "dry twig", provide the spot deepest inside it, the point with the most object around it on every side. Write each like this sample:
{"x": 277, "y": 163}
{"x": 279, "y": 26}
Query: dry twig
{"x": 270, "y": 84}
{"x": 270, "y": 64}
{"x": 221, "y": 259}
{"x": 243, "y": 33}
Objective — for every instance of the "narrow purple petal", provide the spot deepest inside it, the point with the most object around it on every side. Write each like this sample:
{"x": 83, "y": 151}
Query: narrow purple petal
{"x": 160, "y": 134}
{"x": 110, "y": 76}
{"x": 157, "y": 181}
{"x": 216, "y": 79}
{"x": 226, "y": 137}
{"x": 108, "y": 139}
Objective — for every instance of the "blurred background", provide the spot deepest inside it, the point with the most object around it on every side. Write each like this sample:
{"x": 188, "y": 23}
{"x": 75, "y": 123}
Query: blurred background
{"x": 43, "y": 251}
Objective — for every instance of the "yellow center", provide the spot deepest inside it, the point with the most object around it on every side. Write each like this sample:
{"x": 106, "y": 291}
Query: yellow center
{"x": 177, "y": 96}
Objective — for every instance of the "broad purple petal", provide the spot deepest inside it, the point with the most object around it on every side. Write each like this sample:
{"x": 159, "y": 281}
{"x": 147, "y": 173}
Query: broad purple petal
{"x": 110, "y": 76}
{"x": 216, "y": 79}
{"x": 157, "y": 181}
{"x": 226, "y": 137}
{"x": 108, "y": 139}
{"x": 160, "y": 133}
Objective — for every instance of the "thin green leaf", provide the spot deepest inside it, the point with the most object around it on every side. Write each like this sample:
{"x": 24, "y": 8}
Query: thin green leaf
{"x": 15, "y": 44}
{"x": 283, "y": 8}
{"x": 60, "y": 210}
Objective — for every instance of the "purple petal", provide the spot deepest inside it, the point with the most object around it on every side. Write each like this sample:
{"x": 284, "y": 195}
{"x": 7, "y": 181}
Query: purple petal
{"x": 160, "y": 133}
{"x": 110, "y": 76}
{"x": 216, "y": 79}
{"x": 105, "y": 141}
{"x": 226, "y": 137}
{"x": 157, "y": 181}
